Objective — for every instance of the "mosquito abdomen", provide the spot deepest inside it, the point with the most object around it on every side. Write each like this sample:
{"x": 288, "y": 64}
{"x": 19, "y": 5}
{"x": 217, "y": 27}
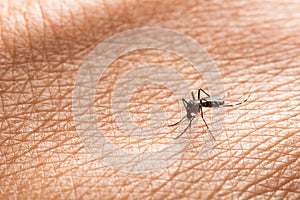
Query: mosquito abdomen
{"x": 212, "y": 103}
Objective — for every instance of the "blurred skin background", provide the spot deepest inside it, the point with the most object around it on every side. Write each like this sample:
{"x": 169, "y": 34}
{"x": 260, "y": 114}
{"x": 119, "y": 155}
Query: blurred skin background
{"x": 256, "y": 46}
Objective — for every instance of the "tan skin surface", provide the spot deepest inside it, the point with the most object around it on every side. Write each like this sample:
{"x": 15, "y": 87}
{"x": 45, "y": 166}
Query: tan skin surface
{"x": 256, "y": 47}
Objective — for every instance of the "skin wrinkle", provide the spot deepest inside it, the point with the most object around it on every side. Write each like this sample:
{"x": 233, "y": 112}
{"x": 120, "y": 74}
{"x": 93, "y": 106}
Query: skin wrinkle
{"x": 228, "y": 47}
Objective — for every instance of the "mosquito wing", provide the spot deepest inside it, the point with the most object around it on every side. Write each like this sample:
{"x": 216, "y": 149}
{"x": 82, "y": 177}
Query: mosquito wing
{"x": 215, "y": 98}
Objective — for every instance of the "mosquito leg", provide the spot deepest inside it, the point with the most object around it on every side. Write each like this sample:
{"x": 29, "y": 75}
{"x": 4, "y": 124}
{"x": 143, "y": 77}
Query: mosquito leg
{"x": 199, "y": 96}
{"x": 193, "y": 95}
{"x": 177, "y": 122}
{"x": 206, "y": 123}
{"x": 231, "y": 105}
{"x": 189, "y": 126}
{"x": 185, "y": 103}
{"x": 182, "y": 133}
{"x": 203, "y": 92}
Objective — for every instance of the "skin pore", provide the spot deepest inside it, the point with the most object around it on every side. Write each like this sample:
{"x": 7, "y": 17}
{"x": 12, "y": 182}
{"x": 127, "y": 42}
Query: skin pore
{"x": 256, "y": 47}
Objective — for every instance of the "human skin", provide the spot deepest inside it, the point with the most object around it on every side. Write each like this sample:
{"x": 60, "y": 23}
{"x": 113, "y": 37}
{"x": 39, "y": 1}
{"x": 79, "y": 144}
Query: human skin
{"x": 256, "y": 47}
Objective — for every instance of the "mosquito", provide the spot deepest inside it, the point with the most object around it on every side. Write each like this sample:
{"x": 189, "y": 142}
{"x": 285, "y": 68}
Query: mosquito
{"x": 194, "y": 107}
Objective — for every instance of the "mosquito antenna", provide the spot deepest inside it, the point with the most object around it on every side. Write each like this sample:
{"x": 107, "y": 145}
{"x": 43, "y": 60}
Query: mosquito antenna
{"x": 231, "y": 105}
